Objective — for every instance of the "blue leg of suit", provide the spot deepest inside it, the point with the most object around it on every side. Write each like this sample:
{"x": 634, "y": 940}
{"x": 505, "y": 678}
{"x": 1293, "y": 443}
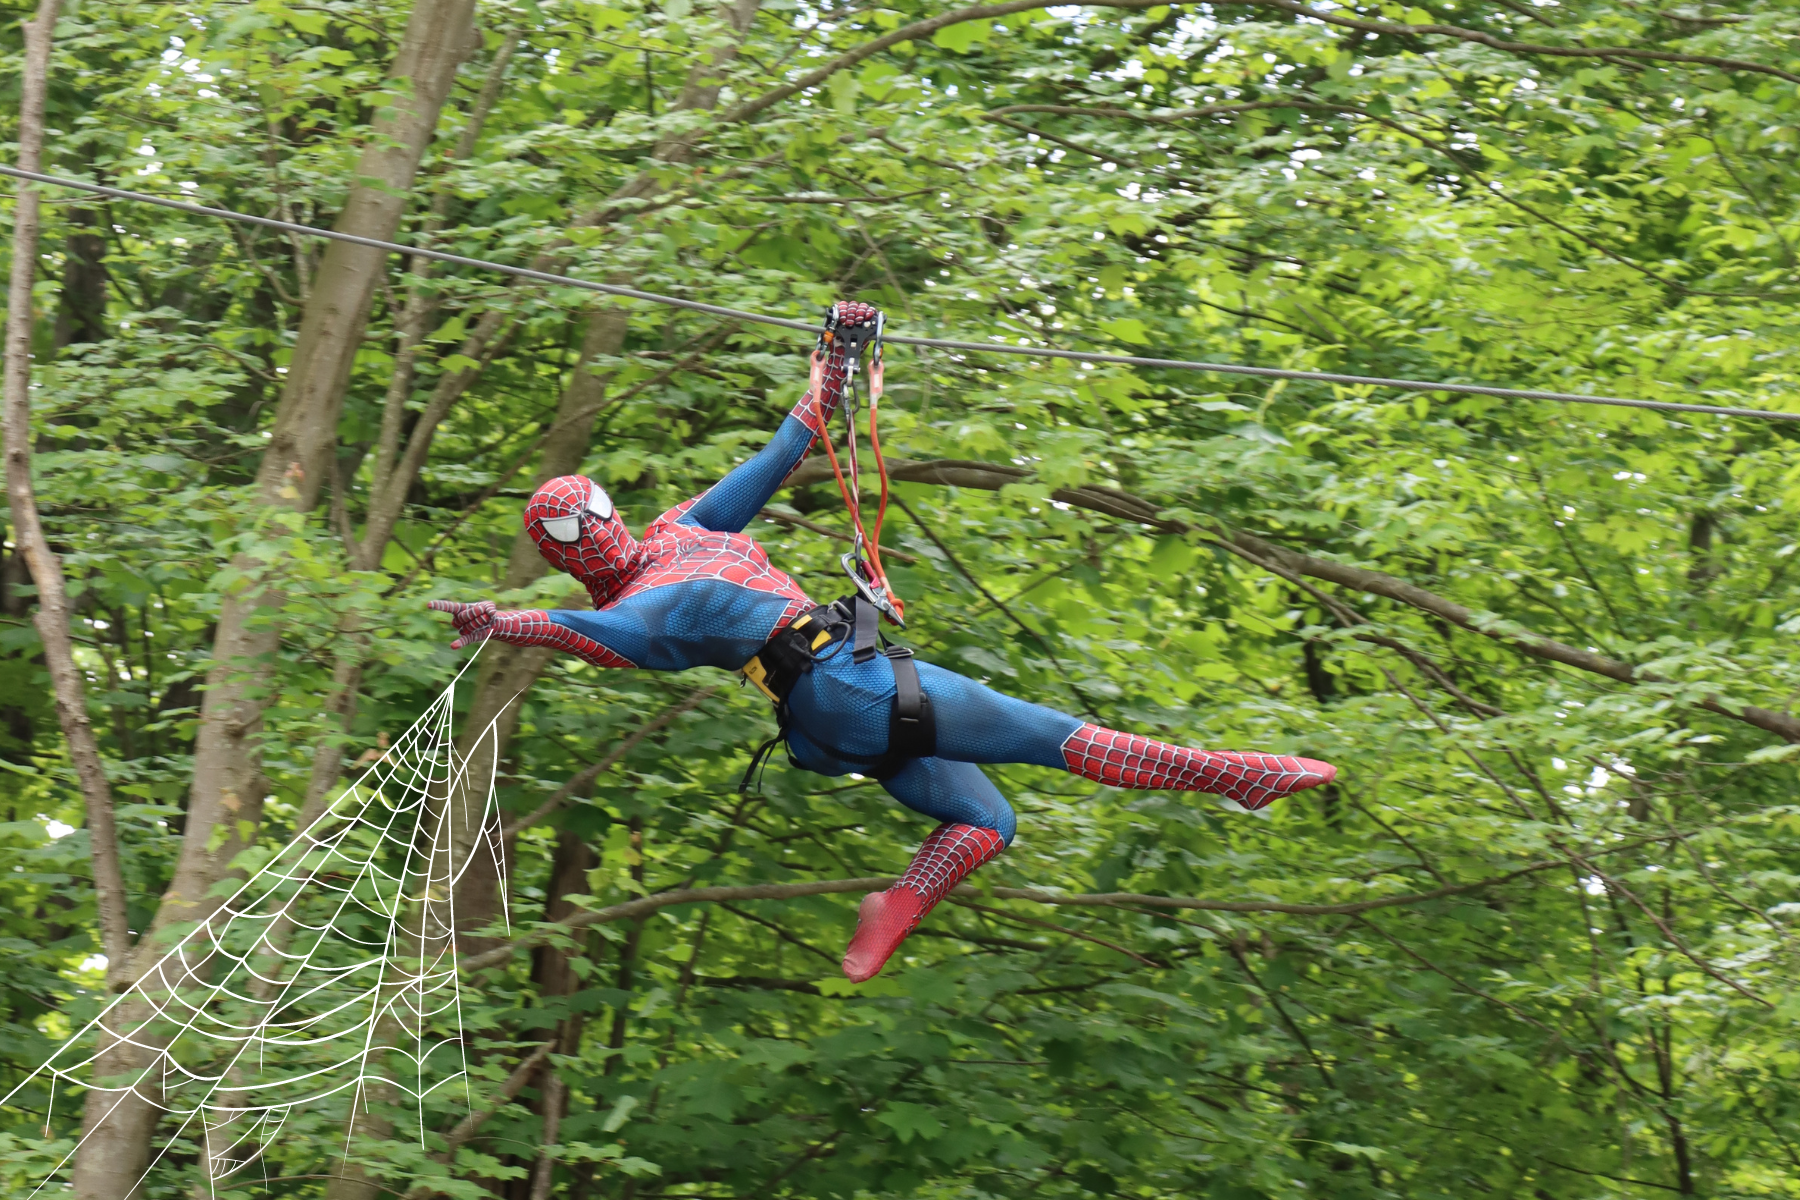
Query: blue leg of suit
{"x": 843, "y": 705}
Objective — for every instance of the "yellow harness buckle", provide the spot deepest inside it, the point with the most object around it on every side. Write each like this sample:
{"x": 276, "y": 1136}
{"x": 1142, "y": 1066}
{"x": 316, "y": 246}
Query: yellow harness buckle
{"x": 757, "y": 674}
{"x": 757, "y": 671}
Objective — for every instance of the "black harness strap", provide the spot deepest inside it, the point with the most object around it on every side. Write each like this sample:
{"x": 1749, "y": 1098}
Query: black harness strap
{"x": 868, "y": 630}
{"x": 912, "y": 726}
{"x": 912, "y": 729}
{"x": 760, "y": 757}
{"x": 778, "y": 666}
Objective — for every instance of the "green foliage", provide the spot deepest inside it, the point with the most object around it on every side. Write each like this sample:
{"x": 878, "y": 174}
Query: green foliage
{"x": 1613, "y": 1017}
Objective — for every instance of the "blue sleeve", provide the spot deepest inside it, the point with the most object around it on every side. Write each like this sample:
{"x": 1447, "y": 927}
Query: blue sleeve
{"x": 734, "y": 501}
{"x": 695, "y": 623}
{"x": 600, "y": 636}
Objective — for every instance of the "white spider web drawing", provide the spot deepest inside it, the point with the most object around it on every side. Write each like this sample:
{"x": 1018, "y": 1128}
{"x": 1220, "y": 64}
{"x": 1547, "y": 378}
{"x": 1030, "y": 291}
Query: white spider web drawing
{"x": 331, "y": 970}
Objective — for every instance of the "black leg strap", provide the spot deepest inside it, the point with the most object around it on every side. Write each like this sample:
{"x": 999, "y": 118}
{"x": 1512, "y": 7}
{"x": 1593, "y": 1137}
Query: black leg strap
{"x": 912, "y": 733}
{"x": 867, "y": 638}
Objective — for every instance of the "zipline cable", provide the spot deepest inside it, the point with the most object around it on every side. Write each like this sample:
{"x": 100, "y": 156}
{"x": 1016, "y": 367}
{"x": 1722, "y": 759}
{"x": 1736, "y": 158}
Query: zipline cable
{"x": 1129, "y": 360}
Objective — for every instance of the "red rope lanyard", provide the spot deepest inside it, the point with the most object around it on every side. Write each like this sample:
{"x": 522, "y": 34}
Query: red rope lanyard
{"x": 877, "y": 574}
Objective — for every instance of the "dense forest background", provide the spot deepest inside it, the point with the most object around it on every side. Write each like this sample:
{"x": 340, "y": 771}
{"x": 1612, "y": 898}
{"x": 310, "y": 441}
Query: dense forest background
{"x": 1538, "y": 939}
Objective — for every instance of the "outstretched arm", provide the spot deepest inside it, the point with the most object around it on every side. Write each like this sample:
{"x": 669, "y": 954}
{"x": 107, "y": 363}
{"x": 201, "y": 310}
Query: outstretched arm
{"x": 734, "y": 501}
{"x": 583, "y": 634}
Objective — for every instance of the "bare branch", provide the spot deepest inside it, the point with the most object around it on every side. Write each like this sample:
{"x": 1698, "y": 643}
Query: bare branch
{"x": 1162, "y": 117}
{"x": 1112, "y": 502}
{"x": 994, "y": 600}
{"x": 566, "y": 425}
{"x": 759, "y": 983}
{"x": 1062, "y": 929}
{"x": 470, "y": 1125}
{"x": 798, "y": 522}
{"x": 1102, "y": 155}
{"x": 585, "y": 778}
{"x": 1488, "y": 39}
{"x": 1135, "y": 900}
{"x": 906, "y": 33}
{"x": 645, "y": 905}
{"x": 827, "y": 198}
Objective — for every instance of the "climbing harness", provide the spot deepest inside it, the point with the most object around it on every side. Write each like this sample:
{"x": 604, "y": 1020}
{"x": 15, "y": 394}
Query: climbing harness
{"x": 778, "y": 666}
{"x": 784, "y": 658}
{"x": 855, "y": 620}
{"x": 862, "y": 562}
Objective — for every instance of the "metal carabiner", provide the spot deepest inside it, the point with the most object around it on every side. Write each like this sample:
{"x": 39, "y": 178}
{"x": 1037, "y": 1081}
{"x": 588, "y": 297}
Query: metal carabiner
{"x": 877, "y": 595}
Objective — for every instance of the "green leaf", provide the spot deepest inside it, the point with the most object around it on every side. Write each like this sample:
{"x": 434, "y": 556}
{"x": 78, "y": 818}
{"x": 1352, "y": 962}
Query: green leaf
{"x": 621, "y": 1112}
{"x": 306, "y": 20}
{"x": 844, "y": 88}
{"x": 1127, "y": 329}
{"x": 911, "y": 1121}
{"x": 962, "y": 36}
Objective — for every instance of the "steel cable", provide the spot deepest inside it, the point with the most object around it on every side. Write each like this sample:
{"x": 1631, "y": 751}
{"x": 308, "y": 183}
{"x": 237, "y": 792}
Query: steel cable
{"x": 718, "y": 310}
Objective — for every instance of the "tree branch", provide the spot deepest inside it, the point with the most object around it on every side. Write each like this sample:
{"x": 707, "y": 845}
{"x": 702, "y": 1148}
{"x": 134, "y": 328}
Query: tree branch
{"x": 1062, "y": 929}
{"x": 1488, "y": 39}
{"x": 587, "y": 777}
{"x": 799, "y": 522}
{"x": 985, "y": 476}
{"x": 1103, "y": 156}
{"x": 759, "y": 983}
{"x": 906, "y": 33}
{"x": 994, "y": 600}
{"x": 1168, "y": 117}
{"x": 565, "y": 425}
{"x": 470, "y": 1125}
{"x": 645, "y": 905}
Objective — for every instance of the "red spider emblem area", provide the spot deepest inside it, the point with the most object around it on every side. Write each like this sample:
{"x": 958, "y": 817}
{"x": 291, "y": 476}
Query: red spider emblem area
{"x": 675, "y": 553}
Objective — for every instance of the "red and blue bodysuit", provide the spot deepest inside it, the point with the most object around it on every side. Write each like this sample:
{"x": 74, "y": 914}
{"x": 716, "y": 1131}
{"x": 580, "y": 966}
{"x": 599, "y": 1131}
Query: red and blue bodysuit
{"x": 695, "y": 591}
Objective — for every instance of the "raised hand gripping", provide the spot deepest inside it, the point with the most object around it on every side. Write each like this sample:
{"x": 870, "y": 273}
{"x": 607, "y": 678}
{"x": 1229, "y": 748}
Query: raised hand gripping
{"x": 854, "y": 323}
{"x": 527, "y": 627}
{"x": 732, "y": 503}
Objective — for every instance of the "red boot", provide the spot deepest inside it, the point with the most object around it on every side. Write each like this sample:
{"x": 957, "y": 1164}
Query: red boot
{"x": 1127, "y": 760}
{"x": 945, "y": 860}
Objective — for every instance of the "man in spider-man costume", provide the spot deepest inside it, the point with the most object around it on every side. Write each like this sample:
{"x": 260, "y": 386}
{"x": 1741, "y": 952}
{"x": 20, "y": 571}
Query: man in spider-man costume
{"x": 696, "y": 591}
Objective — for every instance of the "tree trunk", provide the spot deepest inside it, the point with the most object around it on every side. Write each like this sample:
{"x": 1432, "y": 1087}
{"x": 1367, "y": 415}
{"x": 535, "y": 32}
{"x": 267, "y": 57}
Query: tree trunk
{"x": 427, "y": 936}
{"x": 81, "y": 312}
{"x": 510, "y": 670}
{"x": 506, "y": 671}
{"x": 227, "y": 788}
{"x": 410, "y": 327}
{"x": 550, "y": 970}
{"x": 391, "y": 477}
{"x": 52, "y": 618}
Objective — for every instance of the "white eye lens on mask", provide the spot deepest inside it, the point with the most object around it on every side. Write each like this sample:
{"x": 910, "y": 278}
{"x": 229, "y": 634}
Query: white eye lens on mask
{"x": 563, "y": 529}
{"x": 599, "y": 503}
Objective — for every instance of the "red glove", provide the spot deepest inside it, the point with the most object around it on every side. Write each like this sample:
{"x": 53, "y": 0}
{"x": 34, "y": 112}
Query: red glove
{"x": 474, "y": 622}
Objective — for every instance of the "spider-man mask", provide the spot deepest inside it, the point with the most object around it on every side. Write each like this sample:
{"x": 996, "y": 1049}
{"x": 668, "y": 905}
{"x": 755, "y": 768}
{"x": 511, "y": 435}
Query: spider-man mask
{"x": 572, "y": 520}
